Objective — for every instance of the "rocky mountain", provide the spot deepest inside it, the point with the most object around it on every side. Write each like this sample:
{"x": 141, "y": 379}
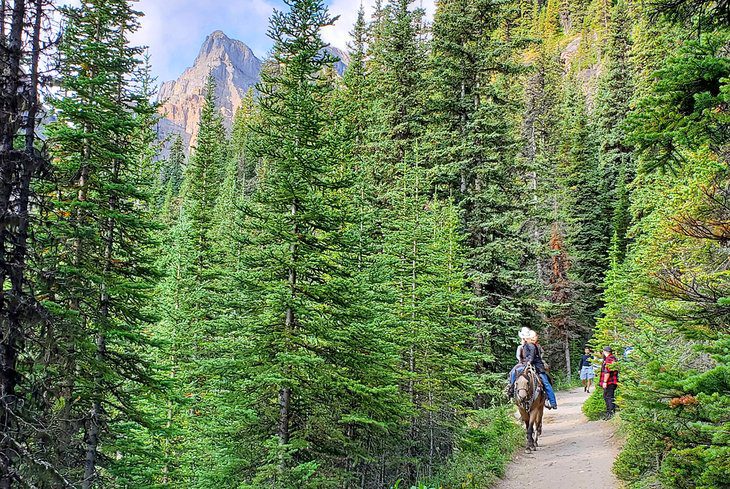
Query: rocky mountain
{"x": 235, "y": 68}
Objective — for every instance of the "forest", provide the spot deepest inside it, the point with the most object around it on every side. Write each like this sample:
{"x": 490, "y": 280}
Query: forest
{"x": 328, "y": 294}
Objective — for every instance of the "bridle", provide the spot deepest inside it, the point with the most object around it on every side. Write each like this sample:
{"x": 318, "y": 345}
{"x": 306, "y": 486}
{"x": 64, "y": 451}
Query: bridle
{"x": 531, "y": 375}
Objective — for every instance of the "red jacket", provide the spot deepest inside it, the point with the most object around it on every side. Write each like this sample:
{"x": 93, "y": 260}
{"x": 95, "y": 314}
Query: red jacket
{"x": 608, "y": 377}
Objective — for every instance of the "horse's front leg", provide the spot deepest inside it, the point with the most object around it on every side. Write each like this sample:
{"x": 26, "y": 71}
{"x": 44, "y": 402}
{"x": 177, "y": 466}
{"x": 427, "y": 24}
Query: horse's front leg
{"x": 530, "y": 440}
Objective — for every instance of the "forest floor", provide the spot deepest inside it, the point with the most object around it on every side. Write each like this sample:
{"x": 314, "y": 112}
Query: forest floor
{"x": 574, "y": 453}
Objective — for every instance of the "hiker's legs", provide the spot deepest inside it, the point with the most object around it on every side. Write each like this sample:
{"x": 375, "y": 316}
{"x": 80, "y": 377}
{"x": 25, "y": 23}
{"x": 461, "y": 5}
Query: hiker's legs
{"x": 549, "y": 390}
{"x": 609, "y": 394}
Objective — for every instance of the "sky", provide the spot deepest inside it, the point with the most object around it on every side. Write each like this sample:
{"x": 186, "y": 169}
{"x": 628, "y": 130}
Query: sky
{"x": 175, "y": 29}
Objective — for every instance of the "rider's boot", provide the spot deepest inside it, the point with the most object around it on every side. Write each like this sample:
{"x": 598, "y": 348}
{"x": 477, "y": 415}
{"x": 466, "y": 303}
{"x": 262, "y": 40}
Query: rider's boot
{"x": 510, "y": 390}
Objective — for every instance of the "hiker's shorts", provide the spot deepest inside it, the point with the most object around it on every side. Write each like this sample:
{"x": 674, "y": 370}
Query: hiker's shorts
{"x": 587, "y": 373}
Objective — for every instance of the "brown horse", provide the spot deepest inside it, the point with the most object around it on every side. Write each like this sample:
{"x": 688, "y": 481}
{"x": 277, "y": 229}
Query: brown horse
{"x": 530, "y": 399}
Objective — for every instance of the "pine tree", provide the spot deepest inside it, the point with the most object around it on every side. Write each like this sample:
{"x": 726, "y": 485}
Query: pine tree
{"x": 477, "y": 160}
{"x": 614, "y": 96}
{"x": 242, "y": 137}
{"x": 203, "y": 177}
{"x": 197, "y": 322}
{"x": 316, "y": 373}
{"x": 587, "y": 209}
{"x": 102, "y": 231}
{"x": 171, "y": 175}
{"x": 25, "y": 394}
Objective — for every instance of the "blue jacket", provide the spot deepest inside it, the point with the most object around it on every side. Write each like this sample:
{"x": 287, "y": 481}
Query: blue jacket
{"x": 531, "y": 353}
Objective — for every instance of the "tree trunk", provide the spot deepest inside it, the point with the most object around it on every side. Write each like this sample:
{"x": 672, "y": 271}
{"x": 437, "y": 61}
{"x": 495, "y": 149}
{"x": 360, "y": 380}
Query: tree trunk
{"x": 285, "y": 391}
{"x": 566, "y": 350}
{"x": 11, "y": 164}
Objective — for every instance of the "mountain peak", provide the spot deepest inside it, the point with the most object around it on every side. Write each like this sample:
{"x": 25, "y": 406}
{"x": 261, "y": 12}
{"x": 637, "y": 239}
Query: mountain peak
{"x": 218, "y": 33}
{"x": 218, "y": 45}
{"x": 235, "y": 68}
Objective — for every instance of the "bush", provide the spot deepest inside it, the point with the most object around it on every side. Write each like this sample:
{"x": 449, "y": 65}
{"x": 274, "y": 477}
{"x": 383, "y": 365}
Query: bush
{"x": 562, "y": 382}
{"x": 639, "y": 458}
{"x": 595, "y": 407}
{"x": 484, "y": 448}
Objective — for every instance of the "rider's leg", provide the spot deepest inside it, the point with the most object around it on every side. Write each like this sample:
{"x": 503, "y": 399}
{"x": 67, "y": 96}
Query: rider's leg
{"x": 517, "y": 369}
{"x": 549, "y": 390}
{"x": 511, "y": 386}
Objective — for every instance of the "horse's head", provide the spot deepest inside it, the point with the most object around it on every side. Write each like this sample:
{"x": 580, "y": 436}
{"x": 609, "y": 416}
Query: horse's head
{"x": 523, "y": 390}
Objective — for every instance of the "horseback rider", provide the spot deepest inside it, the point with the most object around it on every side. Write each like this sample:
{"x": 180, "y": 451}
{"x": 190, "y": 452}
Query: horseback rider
{"x": 519, "y": 367}
{"x": 532, "y": 355}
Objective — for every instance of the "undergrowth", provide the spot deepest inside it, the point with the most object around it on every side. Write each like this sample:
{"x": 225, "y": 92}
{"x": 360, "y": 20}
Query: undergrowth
{"x": 484, "y": 448}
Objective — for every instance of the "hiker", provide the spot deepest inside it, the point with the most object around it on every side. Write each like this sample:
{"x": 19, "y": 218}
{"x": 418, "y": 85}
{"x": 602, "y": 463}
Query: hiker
{"x": 533, "y": 356}
{"x": 586, "y": 369}
{"x": 522, "y": 335}
{"x": 609, "y": 381}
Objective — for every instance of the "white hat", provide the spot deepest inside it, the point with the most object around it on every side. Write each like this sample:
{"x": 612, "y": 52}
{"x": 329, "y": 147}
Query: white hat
{"x": 524, "y": 333}
{"x": 532, "y": 334}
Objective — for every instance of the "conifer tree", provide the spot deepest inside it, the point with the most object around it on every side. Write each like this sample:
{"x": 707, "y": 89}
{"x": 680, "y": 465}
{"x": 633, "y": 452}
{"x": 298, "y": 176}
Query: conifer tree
{"x": 587, "y": 207}
{"x": 171, "y": 174}
{"x": 25, "y": 391}
{"x": 316, "y": 373}
{"x": 242, "y": 140}
{"x": 612, "y": 106}
{"x": 477, "y": 160}
{"x": 197, "y": 315}
{"x": 102, "y": 233}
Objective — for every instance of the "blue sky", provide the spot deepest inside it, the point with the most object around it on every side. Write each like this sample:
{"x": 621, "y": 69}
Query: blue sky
{"x": 175, "y": 29}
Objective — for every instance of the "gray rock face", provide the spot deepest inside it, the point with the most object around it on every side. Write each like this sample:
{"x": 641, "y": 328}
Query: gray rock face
{"x": 236, "y": 70}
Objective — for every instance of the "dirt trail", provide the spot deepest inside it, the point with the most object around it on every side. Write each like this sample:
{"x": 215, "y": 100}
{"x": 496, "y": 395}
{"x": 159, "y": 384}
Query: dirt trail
{"x": 574, "y": 453}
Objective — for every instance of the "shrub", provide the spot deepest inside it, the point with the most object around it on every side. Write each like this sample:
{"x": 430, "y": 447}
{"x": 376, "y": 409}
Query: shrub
{"x": 484, "y": 448}
{"x": 595, "y": 408}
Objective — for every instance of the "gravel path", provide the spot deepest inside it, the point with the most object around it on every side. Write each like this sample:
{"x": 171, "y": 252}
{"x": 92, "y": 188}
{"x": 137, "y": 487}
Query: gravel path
{"x": 574, "y": 453}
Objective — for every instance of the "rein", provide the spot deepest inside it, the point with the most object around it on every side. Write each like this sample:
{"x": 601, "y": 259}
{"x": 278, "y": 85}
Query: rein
{"x": 531, "y": 375}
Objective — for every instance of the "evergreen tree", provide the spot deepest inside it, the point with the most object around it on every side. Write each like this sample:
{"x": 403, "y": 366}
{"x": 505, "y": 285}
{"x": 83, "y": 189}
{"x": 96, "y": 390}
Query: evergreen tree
{"x": 99, "y": 285}
{"x": 242, "y": 140}
{"x": 614, "y": 96}
{"x": 198, "y": 322}
{"x": 316, "y": 373}
{"x": 26, "y": 395}
{"x": 171, "y": 174}
{"x": 587, "y": 207}
{"x": 476, "y": 157}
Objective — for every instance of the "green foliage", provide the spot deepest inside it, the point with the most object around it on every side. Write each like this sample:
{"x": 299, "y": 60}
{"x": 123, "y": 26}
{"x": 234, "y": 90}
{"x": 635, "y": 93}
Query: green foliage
{"x": 665, "y": 299}
{"x": 327, "y": 294}
{"x": 484, "y": 447}
{"x": 96, "y": 248}
{"x": 594, "y": 407}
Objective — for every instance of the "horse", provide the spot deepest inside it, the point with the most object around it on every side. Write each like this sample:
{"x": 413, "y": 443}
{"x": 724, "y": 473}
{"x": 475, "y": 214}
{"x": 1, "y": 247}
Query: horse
{"x": 529, "y": 396}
